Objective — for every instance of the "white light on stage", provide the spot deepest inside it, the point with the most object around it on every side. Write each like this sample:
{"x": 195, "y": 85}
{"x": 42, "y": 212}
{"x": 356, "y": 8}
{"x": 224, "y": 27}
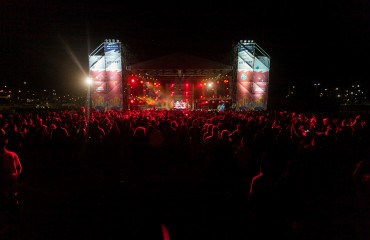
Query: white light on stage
{"x": 88, "y": 81}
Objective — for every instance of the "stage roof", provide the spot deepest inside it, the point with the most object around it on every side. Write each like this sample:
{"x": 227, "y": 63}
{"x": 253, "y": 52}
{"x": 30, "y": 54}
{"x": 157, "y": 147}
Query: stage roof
{"x": 180, "y": 64}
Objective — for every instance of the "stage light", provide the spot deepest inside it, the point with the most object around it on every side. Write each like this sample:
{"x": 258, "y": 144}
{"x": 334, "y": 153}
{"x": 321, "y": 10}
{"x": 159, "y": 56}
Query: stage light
{"x": 88, "y": 81}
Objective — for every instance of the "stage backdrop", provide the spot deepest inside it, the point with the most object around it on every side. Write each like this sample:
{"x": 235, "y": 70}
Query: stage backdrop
{"x": 252, "y": 76}
{"x": 106, "y": 72}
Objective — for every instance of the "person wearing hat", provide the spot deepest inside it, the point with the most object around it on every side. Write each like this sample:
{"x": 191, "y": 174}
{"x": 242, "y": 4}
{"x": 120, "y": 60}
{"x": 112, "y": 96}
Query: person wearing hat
{"x": 10, "y": 168}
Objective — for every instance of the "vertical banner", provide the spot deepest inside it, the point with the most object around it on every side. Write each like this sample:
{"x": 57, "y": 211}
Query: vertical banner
{"x": 113, "y": 68}
{"x": 97, "y": 68}
{"x": 98, "y": 101}
{"x": 260, "y": 84}
{"x": 244, "y": 77}
{"x": 105, "y": 70}
{"x": 252, "y": 78}
{"x": 114, "y": 99}
{"x": 98, "y": 76}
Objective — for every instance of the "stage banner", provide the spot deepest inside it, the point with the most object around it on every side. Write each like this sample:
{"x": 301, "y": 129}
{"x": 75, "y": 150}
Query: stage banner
{"x": 113, "y": 102}
{"x": 252, "y": 79}
{"x": 98, "y": 76}
{"x": 113, "y": 64}
{"x": 244, "y": 76}
{"x": 112, "y": 51}
{"x": 97, "y": 68}
{"x": 114, "y": 98}
{"x": 98, "y": 101}
{"x": 260, "y": 82}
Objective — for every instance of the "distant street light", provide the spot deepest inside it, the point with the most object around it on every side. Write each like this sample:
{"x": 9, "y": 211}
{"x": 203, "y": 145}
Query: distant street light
{"x": 316, "y": 86}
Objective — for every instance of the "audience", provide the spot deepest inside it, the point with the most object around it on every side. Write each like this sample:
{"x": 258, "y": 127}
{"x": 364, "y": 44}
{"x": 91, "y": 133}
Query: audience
{"x": 274, "y": 158}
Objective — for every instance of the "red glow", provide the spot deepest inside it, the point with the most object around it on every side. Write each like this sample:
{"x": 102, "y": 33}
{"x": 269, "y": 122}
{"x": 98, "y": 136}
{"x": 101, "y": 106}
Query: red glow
{"x": 165, "y": 233}
{"x": 132, "y": 80}
{"x": 132, "y": 101}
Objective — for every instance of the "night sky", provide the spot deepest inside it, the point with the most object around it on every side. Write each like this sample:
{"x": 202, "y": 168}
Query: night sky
{"x": 46, "y": 43}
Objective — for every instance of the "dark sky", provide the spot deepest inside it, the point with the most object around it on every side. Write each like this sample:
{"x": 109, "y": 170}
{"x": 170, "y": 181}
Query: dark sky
{"x": 46, "y": 43}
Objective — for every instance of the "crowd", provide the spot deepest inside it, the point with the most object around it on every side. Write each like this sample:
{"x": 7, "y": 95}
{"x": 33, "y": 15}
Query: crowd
{"x": 282, "y": 165}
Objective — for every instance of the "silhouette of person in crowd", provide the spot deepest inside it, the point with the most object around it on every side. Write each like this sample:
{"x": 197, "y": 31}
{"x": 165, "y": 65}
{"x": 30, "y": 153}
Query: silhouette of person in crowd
{"x": 361, "y": 177}
{"x": 264, "y": 201}
{"x": 10, "y": 168}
